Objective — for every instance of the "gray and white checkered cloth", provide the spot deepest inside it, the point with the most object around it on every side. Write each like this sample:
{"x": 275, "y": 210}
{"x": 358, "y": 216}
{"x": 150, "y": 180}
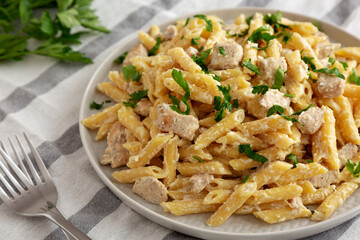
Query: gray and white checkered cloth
{"x": 42, "y": 97}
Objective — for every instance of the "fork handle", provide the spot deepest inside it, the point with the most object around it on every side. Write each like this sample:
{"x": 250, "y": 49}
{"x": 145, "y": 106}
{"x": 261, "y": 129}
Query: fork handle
{"x": 68, "y": 236}
{"x": 55, "y": 216}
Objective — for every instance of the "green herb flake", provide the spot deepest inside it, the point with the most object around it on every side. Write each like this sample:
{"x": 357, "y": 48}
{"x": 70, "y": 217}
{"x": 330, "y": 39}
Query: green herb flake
{"x": 251, "y": 66}
{"x": 333, "y": 71}
{"x": 194, "y": 42}
{"x": 279, "y": 79}
{"x": 288, "y": 95}
{"x": 309, "y": 161}
{"x": 345, "y": 65}
{"x": 201, "y": 59}
{"x": 197, "y": 158}
{"x": 286, "y": 37}
{"x": 121, "y": 58}
{"x": 354, "y": 78}
{"x": 293, "y": 158}
{"x": 303, "y": 110}
{"x": 182, "y": 37}
{"x": 260, "y": 89}
{"x": 246, "y": 178}
{"x": 201, "y": 48}
{"x": 261, "y": 33}
{"x": 235, "y": 103}
{"x": 177, "y": 76}
{"x": 274, "y": 20}
{"x": 331, "y": 60}
{"x": 216, "y": 77}
{"x": 135, "y": 98}
{"x": 246, "y": 148}
{"x": 352, "y": 168}
{"x": 220, "y": 105}
{"x": 280, "y": 110}
{"x": 308, "y": 60}
{"x": 187, "y": 22}
{"x": 209, "y": 26}
{"x": 153, "y": 50}
{"x": 316, "y": 24}
{"x": 98, "y": 106}
{"x": 130, "y": 73}
{"x": 222, "y": 51}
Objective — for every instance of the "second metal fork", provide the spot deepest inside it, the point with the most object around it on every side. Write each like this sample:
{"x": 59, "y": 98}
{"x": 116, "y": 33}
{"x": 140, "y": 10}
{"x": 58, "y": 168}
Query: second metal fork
{"x": 36, "y": 197}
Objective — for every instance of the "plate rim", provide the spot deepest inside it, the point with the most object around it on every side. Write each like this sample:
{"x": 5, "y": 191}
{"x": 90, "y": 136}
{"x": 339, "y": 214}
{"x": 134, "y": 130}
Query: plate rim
{"x": 302, "y": 231}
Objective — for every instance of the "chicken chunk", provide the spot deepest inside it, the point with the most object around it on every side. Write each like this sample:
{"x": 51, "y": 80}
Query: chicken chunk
{"x": 150, "y": 189}
{"x": 325, "y": 49}
{"x": 200, "y": 181}
{"x": 169, "y": 33}
{"x": 310, "y": 120}
{"x": 115, "y": 154}
{"x": 324, "y": 180}
{"x": 143, "y": 107}
{"x": 229, "y": 58}
{"x": 192, "y": 51}
{"x": 274, "y": 97}
{"x": 137, "y": 51}
{"x": 330, "y": 86}
{"x": 268, "y": 66}
{"x": 347, "y": 151}
{"x": 171, "y": 121}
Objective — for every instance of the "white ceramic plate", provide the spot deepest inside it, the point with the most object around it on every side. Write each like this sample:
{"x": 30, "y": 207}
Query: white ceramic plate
{"x": 237, "y": 227}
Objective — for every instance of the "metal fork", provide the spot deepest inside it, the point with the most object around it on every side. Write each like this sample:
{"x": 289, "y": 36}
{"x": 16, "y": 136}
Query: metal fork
{"x": 36, "y": 197}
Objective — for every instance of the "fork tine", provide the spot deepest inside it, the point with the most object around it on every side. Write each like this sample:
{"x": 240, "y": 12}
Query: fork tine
{"x": 19, "y": 160}
{"x": 35, "y": 175}
{"x": 3, "y": 195}
{"x": 8, "y": 186}
{"x": 38, "y": 159}
{"x": 16, "y": 170}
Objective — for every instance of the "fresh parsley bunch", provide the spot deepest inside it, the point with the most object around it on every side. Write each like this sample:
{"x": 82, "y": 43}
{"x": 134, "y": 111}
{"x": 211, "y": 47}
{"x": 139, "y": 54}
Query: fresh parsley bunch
{"x": 54, "y": 31}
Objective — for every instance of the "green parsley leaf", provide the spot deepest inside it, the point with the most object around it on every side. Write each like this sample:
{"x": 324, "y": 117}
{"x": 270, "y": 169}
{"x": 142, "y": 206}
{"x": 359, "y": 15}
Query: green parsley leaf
{"x": 187, "y": 22}
{"x": 201, "y": 48}
{"x": 352, "y": 168}
{"x": 135, "y": 98}
{"x": 246, "y": 148}
{"x": 303, "y": 110}
{"x": 68, "y": 18}
{"x": 130, "y": 72}
{"x": 334, "y": 71}
{"x": 251, "y": 66}
{"x": 182, "y": 37}
{"x": 286, "y": 37}
{"x": 216, "y": 77}
{"x": 344, "y": 64}
{"x": 153, "y": 50}
{"x": 288, "y": 95}
{"x": 279, "y": 79}
{"x": 274, "y": 20}
{"x": 260, "y": 89}
{"x": 201, "y": 59}
{"x": 194, "y": 42}
{"x": 177, "y": 76}
{"x": 225, "y": 104}
{"x": 354, "y": 78}
{"x": 121, "y": 58}
{"x": 280, "y": 110}
{"x": 309, "y": 161}
{"x": 209, "y": 26}
{"x": 47, "y": 26}
{"x": 12, "y": 47}
{"x": 97, "y": 106}
{"x": 246, "y": 178}
{"x": 222, "y": 51}
{"x": 235, "y": 103}
{"x": 248, "y": 20}
{"x": 293, "y": 158}
{"x": 25, "y": 11}
{"x": 308, "y": 60}
{"x": 331, "y": 60}
{"x": 197, "y": 158}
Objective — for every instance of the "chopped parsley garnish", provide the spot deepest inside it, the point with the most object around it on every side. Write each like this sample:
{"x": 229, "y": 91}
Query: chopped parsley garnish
{"x": 312, "y": 79}
{"x": 316, "y": 24}
{"x": 235, "y": 103}
{"x": 246, "y": 148}
{"x": 288, "y": 95}
{"x": 309, "y": 161}
{"x": 279, "y": 79}
{"x": 222, "y": 51}
{"x": 248, "y": 20}
{"x": 177, "y": 76}
{"x": 194, "y": 42}
{"x": 293, "y": 158}
{"x": 95, "y": 105}
{"x": 197, "y": 158}
{"x": 201, "y": 48}
{"x": 246, "y": 31}
{"x": 354, "y": 78}
{"x": 130, "y": 72}
{"x": 153, "y": 50}
{"x": 251, "y": 66}
{"x": 274, "y": 20}
{"x": 280, "y": 110}
{"x": 352, "y": 168}
{"x": 260, "y": 89}
{"x": 187, "y": 22}
{"x": 303, "y": 110}
{"x": 135, "y": 98}
{"x": 121, "y": 58}
{"x": 333, "y": 71}
{"x": 308, "y": 60}
{"x": 246, "y": 178}
{"x": 201, "y": 59}
{"x": 182, "y": 37}
{"x": 225, "y": 104}
{"x": 209, "y": 26}
{"x": 261, "y": 33}
{"x": 286, "y": 37}
{"x": 331, "y": 60}
{"x": 216, "y": 77}
{"x": 344, "y": 64}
